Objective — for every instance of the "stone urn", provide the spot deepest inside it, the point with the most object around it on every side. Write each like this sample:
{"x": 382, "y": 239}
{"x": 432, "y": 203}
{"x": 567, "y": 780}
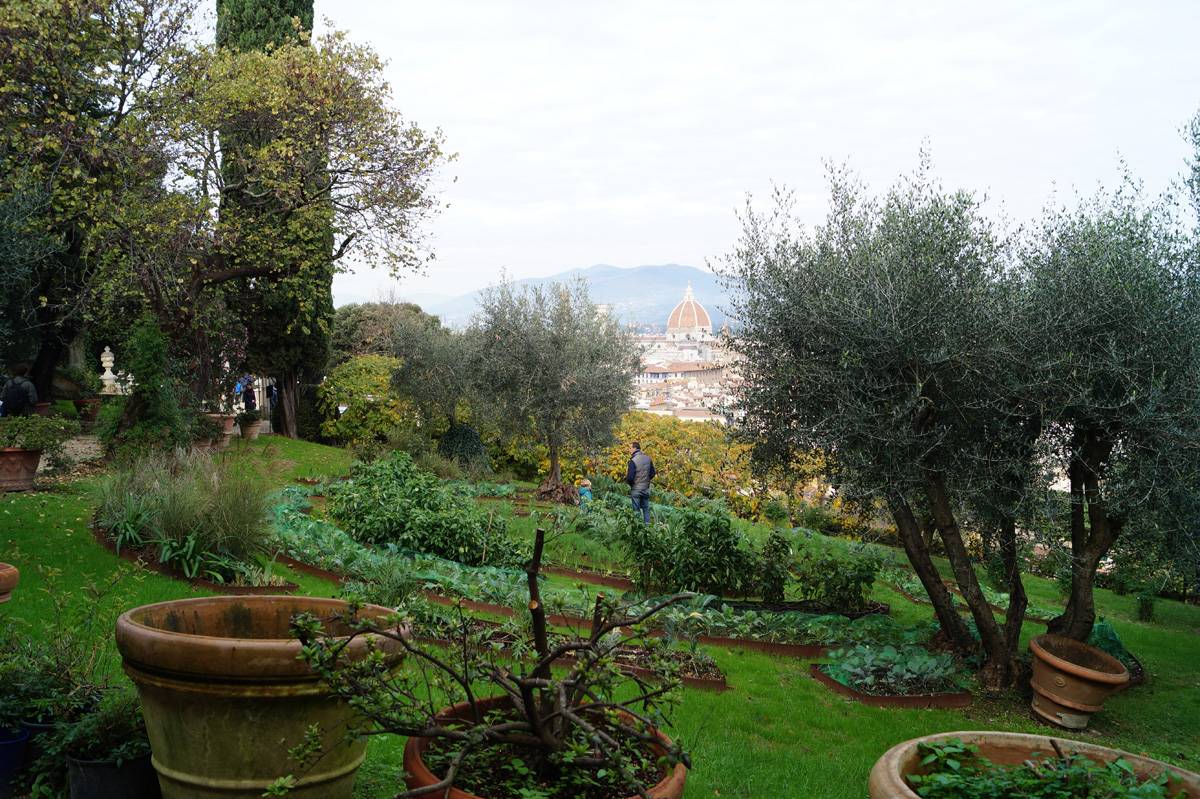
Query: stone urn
{"x": 1011, "y": 749}
{"x": 1071, "y": 680}
{"x": 225, "y": 695}
{"x": 18, "y": 467}
{"x": 418, "y": 775}
{"x": 9, "y": 577}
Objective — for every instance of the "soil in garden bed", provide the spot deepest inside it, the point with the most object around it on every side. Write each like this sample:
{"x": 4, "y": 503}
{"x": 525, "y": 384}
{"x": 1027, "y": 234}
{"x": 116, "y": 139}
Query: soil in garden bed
{"x": 491, "y": 772}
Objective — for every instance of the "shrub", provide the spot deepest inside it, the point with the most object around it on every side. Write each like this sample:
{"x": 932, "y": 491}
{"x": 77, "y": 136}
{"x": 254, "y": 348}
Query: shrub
{"x": 393, "y": 501}
{"x": 462, "y": 444}
{"x": 151, "y": 416}
{"x": 46, "y": 433}
{"x": 776, "y": 566}
{"x": 358, "y": 403}
{"x": 839, "y": 581}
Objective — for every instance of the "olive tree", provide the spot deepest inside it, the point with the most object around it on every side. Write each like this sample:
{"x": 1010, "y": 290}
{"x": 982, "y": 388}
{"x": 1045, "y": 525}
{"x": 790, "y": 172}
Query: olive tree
{"x": 1110, "y": 307}
{"x": 882, "y": 339}
{"x": 550, "y": 362}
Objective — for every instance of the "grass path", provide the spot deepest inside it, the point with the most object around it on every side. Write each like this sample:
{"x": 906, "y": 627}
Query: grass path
{"x": 778, "y": 734}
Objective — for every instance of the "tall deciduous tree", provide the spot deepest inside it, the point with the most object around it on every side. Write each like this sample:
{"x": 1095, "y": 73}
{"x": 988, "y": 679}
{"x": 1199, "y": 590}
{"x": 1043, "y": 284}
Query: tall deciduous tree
{"x": 286, "y": 316}
{"x": 76, "y": 82}
{"x": 551, "y": 362}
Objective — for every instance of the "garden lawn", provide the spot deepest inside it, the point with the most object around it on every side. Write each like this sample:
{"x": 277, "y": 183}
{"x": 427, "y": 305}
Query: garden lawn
{"x": 778, "y": 733}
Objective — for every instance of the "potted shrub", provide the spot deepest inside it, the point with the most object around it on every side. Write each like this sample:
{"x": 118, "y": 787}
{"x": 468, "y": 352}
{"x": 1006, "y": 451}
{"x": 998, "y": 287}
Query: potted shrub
{"x": 950, "y": 765}
{"x": 87, "y": 406}
{"x": 545, "y": 717}
{"x": 9, "y": 577}
{"x": 107, "y": 751}
{"x": 249, "y": 422}
{"x": 1071, "y": 680}
{"x": 226, "y": 670}
{"x": 23, "y": 440}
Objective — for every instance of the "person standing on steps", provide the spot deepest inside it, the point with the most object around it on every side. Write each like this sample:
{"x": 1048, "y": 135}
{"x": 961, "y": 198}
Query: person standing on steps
{"x": 638, "y": 475}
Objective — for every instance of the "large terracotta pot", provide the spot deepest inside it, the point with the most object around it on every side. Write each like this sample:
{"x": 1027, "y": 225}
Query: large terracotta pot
{"x": 250, "y": 431}
{"x": 225, "y": 422}
{"x": 9, "y": 577}
{"x": 1010, "y": 749}
{"x": 225, "y": 695}
{"x": 18, "y": 467}
{"x": 1071, "y": 680}
{"x": 417, "y": 775}
{"x": 42, "y": 408}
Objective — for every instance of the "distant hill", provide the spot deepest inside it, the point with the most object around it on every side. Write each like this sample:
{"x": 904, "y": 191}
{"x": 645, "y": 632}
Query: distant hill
{"x": 644, "y": 295}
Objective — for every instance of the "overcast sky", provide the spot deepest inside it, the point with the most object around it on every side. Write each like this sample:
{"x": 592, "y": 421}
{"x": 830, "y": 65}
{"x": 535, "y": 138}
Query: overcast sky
{"x": 630, "y": 132}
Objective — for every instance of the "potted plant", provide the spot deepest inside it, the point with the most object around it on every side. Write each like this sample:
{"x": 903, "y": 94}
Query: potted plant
{"x": 1071, "y": 680}
{"x": 990, "y": 764}
{"x": 9, "y": 577}
{"x": 226, "y": 670}
{"x": 249, "y": 422}
{"x": 23, "y": 440}
{"x": 87, "y": 406}
{"x": 545, "y": 716}
{"x": 107, "y": 751}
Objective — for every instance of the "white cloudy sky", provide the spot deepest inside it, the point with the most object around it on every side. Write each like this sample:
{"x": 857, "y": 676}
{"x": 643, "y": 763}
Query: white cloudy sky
{"x": 629, "y": 132}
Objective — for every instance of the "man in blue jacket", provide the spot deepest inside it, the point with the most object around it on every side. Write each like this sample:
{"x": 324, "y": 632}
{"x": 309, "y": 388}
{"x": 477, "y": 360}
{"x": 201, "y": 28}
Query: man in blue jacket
{"x": 638, "y": 475}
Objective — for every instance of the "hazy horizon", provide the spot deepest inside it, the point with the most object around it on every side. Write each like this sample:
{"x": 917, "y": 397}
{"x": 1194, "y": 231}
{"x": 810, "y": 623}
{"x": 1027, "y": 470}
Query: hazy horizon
{"x": 628, "y": 134}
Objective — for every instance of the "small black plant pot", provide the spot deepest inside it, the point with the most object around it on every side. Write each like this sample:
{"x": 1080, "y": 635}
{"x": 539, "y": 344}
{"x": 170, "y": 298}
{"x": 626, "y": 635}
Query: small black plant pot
{"x": 12, "y": 759}
{"x": 104, "y": 779}
{"x": 36, "y": 748}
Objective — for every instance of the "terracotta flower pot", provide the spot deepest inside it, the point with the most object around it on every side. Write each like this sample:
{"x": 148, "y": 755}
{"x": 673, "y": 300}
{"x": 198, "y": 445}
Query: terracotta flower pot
{"x": 1011, "y": 749}
{"x": 18, "y": 467}
{"x": 418, "y": 775}
{"x": 9, "y": 577}
{"x": 42, "y": 408}
{"x": 87, "y": 410}
{"x": 1071, "y": 680}
{"x": 225, "y": 695}
{"x": 250, "y": 431}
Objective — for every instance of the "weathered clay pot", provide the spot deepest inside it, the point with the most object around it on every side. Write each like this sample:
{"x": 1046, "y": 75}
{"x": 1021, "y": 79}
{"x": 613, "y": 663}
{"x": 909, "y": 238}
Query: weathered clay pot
{"x": 225, "y": 695}
{"x": 42, "y": 408}
{"x": 250, "y": 431}
{"x": 9, "y": 577}
{"x": 1071, "y": 680}
{"x": 18, "y": 467}
{"x": 87, "y": 410}
{"x": 1010, "y": 749}
{"x": 417, "y": 775}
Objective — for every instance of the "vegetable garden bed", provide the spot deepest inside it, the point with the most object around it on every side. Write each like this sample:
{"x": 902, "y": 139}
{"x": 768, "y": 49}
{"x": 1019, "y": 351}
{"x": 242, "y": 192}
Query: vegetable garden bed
{"x": 939, "y": 700}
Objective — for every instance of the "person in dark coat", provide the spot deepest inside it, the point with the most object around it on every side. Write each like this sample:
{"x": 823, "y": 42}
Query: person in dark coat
{"x": 638, "y": 475}
{"x": 18, "y": 396}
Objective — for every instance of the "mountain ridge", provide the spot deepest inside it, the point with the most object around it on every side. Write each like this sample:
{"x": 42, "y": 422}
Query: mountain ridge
{"x": 642, "y": 295}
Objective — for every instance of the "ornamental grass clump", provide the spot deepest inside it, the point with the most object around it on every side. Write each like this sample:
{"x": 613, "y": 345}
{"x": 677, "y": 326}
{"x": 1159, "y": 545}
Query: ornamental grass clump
{"x": 197, "y": 514}
{"x": 547, "y": 717}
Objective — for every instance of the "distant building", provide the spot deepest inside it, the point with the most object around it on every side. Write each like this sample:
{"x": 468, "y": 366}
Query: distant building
{"x": 685, "y": 371}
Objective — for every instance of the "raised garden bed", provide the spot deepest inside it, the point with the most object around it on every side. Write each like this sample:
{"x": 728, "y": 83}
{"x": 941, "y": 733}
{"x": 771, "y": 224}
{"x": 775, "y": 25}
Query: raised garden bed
{"x": 939, "y": 700}
{"x": 591, "y": 576}
{"x": 810, "y": 607}
{"x": 148, "y": 559}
